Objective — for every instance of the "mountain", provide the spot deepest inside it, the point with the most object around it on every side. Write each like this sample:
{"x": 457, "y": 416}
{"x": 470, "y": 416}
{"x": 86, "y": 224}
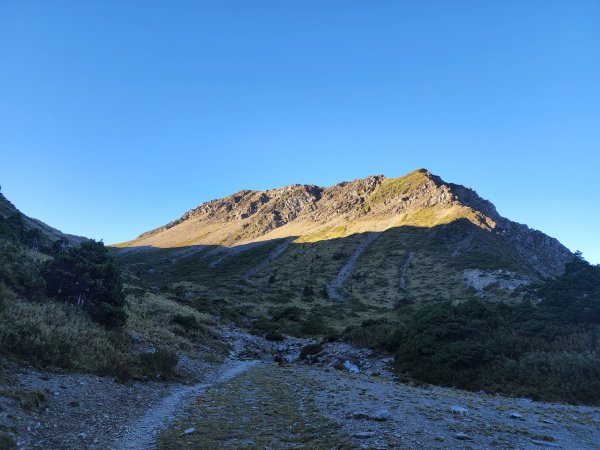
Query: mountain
{"x": 32, "y": 232}
{"x": 368, "y": 244}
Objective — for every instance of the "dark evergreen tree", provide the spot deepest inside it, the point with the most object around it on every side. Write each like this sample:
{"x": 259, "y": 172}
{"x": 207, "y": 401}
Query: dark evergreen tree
{"x": 87, "y": 276}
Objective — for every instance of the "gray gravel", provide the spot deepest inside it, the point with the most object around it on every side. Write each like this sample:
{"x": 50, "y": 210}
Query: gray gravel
{"x": 142, "y": 432}
{"x": 375, "y": 411}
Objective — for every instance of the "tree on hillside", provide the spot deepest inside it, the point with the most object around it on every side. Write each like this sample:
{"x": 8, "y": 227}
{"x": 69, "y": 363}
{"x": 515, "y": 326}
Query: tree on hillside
{"x": 87, "y": 276}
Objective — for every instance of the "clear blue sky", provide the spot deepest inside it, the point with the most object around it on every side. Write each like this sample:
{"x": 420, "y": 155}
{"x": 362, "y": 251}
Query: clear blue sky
{"x": 118, "y": 116}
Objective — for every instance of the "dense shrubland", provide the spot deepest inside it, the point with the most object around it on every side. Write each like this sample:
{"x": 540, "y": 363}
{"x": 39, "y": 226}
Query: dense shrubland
{"x": 547, "y": 347}
{"x": 64, "y": 306}
{"x": 83, "y": 274}
{"x": 40, "y": 320}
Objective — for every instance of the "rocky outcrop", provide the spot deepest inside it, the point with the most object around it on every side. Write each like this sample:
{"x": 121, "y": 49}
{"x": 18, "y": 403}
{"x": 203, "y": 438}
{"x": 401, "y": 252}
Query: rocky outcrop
{"x": 546, "y": 254}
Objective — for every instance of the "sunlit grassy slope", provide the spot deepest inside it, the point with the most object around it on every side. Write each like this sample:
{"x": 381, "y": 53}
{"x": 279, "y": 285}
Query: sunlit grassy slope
{"x": 312, "y": 213}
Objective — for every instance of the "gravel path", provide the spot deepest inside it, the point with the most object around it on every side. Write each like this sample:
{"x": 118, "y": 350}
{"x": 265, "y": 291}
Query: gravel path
{"x": 331, "y": 409}
{"x": 143, "y": 431}
{"x": 82, "y": 411}
{"x": 244, "y": 402}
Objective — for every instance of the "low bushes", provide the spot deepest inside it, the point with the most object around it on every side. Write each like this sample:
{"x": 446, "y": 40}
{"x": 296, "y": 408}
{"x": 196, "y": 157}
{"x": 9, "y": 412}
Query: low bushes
{"x": 160, "y": 363}
{"x": 274, "y": 336}
{"x": 162, "y": 322}
{"x": 517, "y": 350}
{"x": 59, "y": 335}
{"x": 370, "y": 334}
{"x": 546, "y": 348}
{"x": 309, "y": 350}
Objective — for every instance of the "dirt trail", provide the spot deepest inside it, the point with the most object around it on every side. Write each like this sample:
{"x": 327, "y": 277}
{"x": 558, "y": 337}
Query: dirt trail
{"x": 345, "y": 271}
{"x": 143, "y": 431}
{"x": 329, "y": 408}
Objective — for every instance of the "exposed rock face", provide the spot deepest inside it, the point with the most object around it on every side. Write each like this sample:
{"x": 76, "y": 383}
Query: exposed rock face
{"x": 480, "y": 279}
{"x": 375, "y": 203}
{"x": 547, "y": 254}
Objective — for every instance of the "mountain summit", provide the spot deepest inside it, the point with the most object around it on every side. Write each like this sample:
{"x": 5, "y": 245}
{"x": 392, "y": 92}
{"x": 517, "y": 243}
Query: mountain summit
{"x": 309, "y": 214}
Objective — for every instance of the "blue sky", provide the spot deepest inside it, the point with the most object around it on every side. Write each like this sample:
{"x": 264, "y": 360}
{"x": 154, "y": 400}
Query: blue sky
{"x": 116, "y": 117}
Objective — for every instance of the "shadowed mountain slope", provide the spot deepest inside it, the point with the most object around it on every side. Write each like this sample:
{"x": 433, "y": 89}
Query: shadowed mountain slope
{"x": 31, "y": 231}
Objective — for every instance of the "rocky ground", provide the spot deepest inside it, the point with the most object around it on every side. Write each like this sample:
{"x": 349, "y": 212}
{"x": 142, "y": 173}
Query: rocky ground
{"x": 298, "y": 406}
{"x": 340, "y": 397}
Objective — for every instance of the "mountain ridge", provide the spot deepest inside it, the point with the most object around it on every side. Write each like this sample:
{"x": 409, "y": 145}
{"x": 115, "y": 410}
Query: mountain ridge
{"x": 375, "y": 203}
{"x": 45, "y": 232}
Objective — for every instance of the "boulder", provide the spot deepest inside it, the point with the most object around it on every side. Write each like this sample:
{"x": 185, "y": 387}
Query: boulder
{"x": 462, "y": 436}
{"x": 454, "y": 409}
{"x": 364, "y": 434}
{"x": 350, "y": 366}
{"x": 380, "y": 415}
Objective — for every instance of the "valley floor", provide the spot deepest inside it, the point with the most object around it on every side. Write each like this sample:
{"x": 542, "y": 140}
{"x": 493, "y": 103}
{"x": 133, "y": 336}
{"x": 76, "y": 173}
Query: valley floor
{"x": 247, "y": 403}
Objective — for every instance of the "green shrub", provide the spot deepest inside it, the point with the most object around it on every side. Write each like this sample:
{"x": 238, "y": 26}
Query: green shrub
{"x": 309, "y": 350}
{"x": 264, "y": 326}
{"x": 7, "y": 442}
{"x": 339, "y": 255}
{"x": 274, "y": 336}
{"x": 86, "y": 275}
{"x": 188, "y": 322}
{"x": 160, "y": 363}
{"x": 370, "y": 334}
{"x": 315, "y": 325}
{"x": 308, "y": 291}
{"x": 31, "y": 400}
{"x": 5, "y": 296}
{"x": 292, "y": 313}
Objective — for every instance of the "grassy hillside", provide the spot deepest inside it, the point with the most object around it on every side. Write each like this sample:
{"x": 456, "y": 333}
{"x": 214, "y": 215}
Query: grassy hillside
{"x": 299, "y": 276}
{"x": 431, "y": 240}
{"x": 39, "y": 325}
